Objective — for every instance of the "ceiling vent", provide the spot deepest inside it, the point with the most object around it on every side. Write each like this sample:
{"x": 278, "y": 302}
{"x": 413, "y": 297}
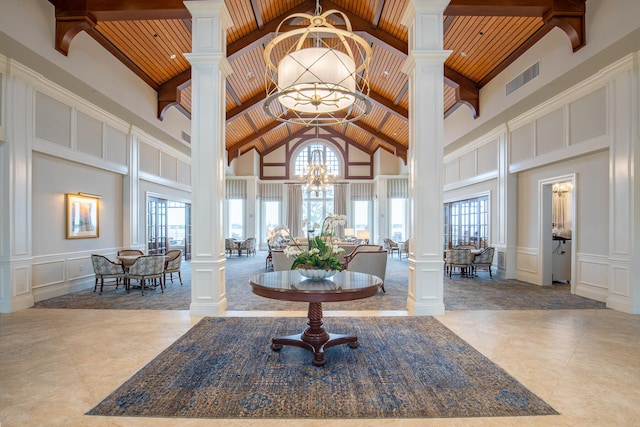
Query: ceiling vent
{"x": 186, "y": 137}
{"x": 523, "y": 78}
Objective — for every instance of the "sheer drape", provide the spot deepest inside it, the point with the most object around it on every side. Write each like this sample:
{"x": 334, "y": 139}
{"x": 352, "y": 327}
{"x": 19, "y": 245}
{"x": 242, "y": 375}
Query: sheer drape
{"x": 340, "y": 204}
{"x": 294, "y": 212}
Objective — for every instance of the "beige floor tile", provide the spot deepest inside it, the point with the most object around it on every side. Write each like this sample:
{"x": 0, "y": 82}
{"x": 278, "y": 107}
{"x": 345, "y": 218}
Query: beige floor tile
{"x": 56, "y": 364}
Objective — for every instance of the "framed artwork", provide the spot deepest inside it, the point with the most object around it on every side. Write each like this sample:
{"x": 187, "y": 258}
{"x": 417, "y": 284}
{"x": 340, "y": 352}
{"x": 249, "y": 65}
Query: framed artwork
{"x": 82, "y": 216}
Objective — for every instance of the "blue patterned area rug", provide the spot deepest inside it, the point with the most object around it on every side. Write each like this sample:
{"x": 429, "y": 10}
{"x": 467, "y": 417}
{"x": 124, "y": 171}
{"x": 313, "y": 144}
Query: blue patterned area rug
{"x": 405, "y": 367}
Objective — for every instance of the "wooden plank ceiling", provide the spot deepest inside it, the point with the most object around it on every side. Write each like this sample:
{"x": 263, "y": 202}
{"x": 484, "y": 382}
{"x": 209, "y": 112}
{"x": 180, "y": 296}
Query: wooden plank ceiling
{"x": 485, "y": 36}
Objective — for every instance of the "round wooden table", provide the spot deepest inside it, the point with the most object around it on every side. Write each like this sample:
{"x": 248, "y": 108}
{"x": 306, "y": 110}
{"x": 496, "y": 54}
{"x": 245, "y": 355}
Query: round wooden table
{"x": 289, "y": 285}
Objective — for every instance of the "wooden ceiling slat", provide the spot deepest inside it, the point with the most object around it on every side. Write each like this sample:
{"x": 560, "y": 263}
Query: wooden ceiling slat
{"x": 379, "y": 21}
{"x": 243, "y": 20}
{"x": 391, "y": 17}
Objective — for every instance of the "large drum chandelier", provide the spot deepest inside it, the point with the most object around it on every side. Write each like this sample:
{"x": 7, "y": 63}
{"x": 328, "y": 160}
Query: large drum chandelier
{"x": 321, "y": 72}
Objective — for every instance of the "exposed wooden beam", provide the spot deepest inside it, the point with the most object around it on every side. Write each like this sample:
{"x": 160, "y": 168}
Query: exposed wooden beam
{"x": 234, "y": 150}
{"x": 255, "y": 38}
{"x": 169, "y": 93}
{"x": 467, "y": 91}
{"x": 498, "y": 7}
{"x": 401, "y": 150}
{"x": 378, "y": 12}
{"x": 256, "y": 13}
{"x": 97, "y": 36}
{"x": 350, "y": 141}
{"x": 568, "y": 15}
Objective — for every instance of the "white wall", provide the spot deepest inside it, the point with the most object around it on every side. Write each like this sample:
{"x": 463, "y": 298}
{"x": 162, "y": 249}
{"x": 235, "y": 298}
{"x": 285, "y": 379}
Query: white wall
{"x": 89, "y": 70}
{"x": 607, "y": 22}
{"x": 58, "y": 143}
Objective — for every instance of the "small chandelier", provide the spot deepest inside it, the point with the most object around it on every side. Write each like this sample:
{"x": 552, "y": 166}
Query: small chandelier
{"x": 322, "y": 77}
{"x": 316, "y": 179}
{"x": 561, "y": 188}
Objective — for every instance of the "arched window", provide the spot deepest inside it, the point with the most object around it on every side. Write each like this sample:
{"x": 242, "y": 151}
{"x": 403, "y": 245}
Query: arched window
{"x": 330, "y": 158}
{"x": 315, "y": 207}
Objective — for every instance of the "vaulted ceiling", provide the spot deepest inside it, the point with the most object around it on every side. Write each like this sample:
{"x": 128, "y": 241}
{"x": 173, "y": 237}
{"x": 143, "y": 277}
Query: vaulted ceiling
{"x": 150, "y": 37}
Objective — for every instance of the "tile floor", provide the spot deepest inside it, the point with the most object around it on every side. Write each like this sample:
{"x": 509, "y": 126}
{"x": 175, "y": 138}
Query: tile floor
{"x": 56, "y": 364}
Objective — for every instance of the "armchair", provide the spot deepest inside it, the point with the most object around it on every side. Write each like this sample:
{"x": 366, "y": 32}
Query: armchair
{"x": 144, "y": 268}
{"x": 230, "y": 246}
{"x": 370, "y": 262}
{"x": 459, "y": 258}
{"x": 173, "y": 260}
{"x": 359, "y": 248}
{"x": 391, "y": 247}
{"x": 280, "y": 261}
{"x": 103, "y": 267}
{"x": 484, "y": 260}
{"x": 249, "y": 246}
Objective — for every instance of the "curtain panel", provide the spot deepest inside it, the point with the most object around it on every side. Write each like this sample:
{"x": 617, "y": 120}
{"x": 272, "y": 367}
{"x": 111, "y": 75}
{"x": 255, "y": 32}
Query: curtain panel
{"x": 270, "y": 192}
{"x": 294, "y": 211}
{"x": 340, "y": 204}
{"x": 362, "y": 191}
{"x": 398, "y": 188}
{"x": 236, "y": 189}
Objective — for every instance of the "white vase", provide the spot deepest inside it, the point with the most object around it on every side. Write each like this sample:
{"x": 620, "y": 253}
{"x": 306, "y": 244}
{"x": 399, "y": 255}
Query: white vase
{"x": 316, "y": 274}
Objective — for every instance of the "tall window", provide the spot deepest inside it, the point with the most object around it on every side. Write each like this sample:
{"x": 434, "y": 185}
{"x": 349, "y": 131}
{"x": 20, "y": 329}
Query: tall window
{"x": 361, "y": 215}
{"x": 316, "y": 207}
{"x": 466, "y": 222}
{"x": 236, "y": 218}
{"x": 398, "y": 219}
{"x": 271, "y": 215}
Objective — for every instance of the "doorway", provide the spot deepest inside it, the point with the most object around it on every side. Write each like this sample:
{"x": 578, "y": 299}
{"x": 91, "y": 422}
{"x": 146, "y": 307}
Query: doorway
{"x": 557, "y": 221}
{"x": 168, "y": 226}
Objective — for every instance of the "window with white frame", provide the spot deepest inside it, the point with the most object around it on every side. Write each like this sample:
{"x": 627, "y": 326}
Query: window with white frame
{"x": 315, "y": 207}
{"x": 466, "y": 222}
{"x": 330, "y": 157}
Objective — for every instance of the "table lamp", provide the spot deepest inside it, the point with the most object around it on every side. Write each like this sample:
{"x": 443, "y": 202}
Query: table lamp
{"x": 349, "y": 233}
{"x": 363, "y": 235}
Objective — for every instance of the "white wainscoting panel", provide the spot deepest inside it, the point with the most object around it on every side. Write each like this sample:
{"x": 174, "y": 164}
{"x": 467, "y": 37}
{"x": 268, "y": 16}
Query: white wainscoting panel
{"x": 149, "y": 159}
{"x": 521, "y": 143}
{"x": 620, "y": 280}
{"x": 550, "y": 132}
{"x": 527, "y": 265}
{"x": 592, "y": 276}
{"x": 588, "y": 117}
{"x": 47, "y": 273}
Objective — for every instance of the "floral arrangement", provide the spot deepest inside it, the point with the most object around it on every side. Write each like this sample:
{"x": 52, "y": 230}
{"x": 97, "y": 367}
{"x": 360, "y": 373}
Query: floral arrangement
{"x": 321, "y": 253}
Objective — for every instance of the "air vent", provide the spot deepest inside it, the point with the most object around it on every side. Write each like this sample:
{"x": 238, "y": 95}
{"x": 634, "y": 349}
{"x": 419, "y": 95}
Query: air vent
{"x": 524, "y": 78}
{"x": 186, "y": 137}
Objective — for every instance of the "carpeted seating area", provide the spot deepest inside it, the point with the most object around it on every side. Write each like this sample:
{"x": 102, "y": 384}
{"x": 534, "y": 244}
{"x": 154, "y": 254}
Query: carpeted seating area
{"x": 478, "y": 293}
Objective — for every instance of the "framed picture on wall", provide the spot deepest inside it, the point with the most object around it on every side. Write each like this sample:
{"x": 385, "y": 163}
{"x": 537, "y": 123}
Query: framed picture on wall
{"x": 82, "y": 216}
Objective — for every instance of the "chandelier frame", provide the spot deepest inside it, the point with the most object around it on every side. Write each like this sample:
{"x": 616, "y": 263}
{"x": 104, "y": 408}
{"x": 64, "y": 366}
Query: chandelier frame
{"x": 295, "y": 105}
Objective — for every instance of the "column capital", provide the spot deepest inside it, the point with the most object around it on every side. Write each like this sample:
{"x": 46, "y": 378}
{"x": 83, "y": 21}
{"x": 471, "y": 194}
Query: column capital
{"x": 424, "y": 19}
{"x": 209, "y": 26}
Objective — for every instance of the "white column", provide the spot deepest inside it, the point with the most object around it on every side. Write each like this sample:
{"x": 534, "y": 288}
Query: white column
{"x": 16, "y": 255}
{"x": 131, "y": 194}
{"x": 507, "y": 210}
{"x": 624, "y": 206}
{"x": 209, "y": 68}
{"x": 425, "y": 68}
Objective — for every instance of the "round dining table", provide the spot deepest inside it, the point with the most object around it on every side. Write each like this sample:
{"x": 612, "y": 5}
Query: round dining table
{"x": 289, "y": 285}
